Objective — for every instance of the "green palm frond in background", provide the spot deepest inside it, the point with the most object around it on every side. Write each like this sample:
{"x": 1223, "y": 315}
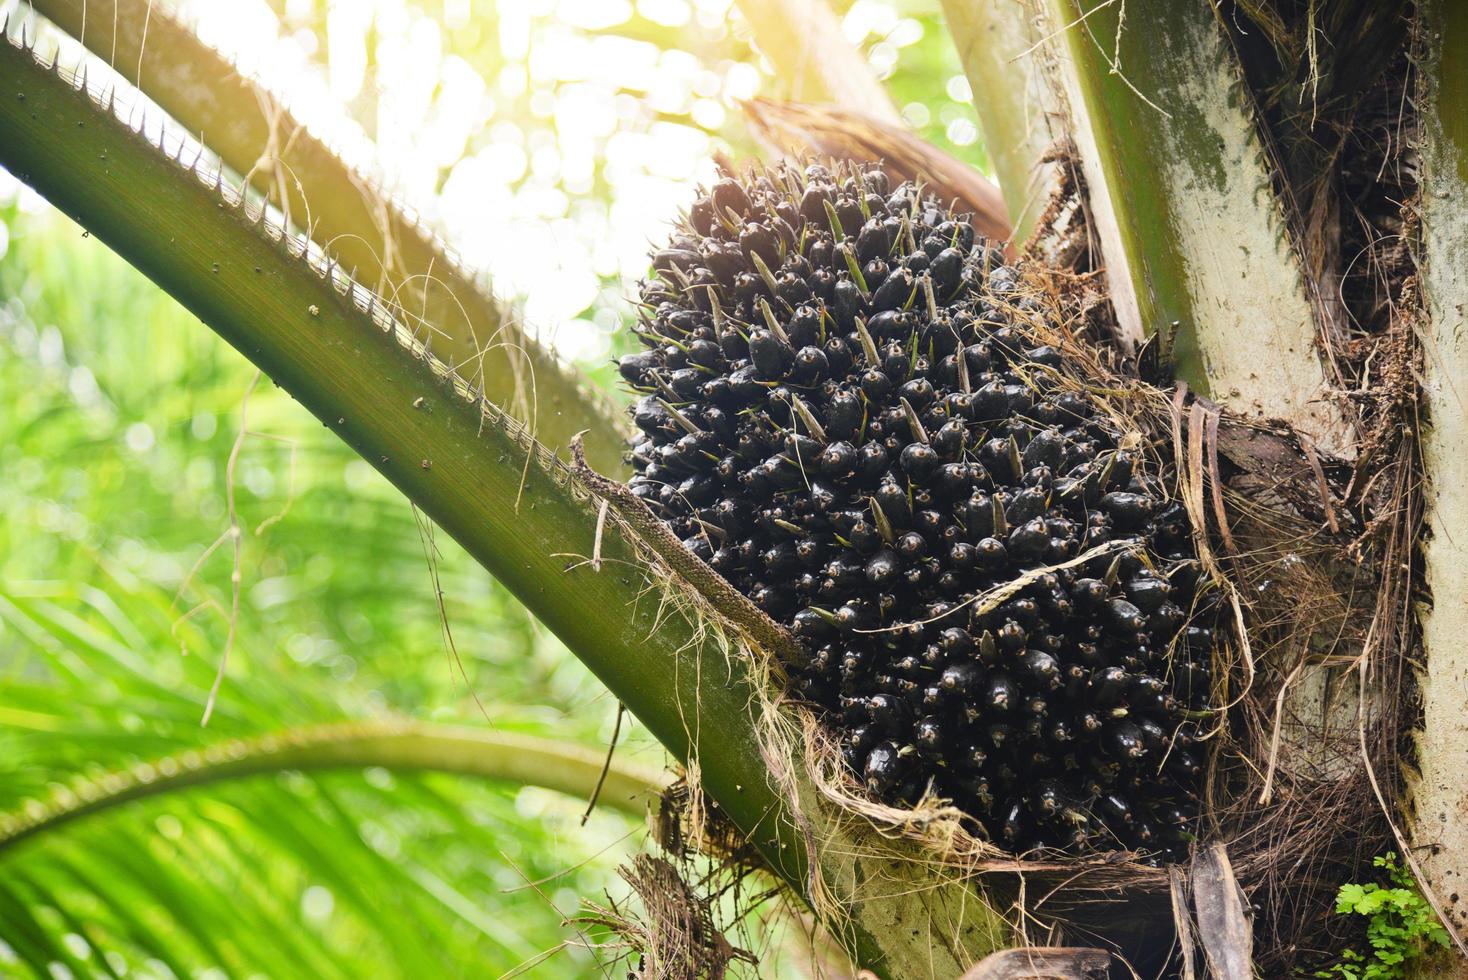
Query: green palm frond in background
{"x": 99, "y": 672}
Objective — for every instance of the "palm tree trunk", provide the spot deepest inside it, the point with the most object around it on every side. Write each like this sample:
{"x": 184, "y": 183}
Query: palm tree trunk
{"x": 1440, "y": 815}
{"x": 1194, "y": 242}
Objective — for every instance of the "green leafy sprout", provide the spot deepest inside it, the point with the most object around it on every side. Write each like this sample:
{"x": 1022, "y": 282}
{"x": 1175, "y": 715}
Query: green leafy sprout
{"x": 1400, "y": 925}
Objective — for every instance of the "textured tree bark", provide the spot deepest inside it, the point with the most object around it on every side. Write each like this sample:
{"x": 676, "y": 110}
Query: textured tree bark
{"x": 1193, "y": 238}
{"x": 1440, "y": 795}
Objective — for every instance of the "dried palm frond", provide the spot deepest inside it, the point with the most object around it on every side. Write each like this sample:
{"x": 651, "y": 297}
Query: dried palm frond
{"x": 798, "y": 131}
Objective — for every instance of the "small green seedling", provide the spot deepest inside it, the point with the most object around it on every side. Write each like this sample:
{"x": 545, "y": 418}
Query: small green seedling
{"x": 1400, "y": 925}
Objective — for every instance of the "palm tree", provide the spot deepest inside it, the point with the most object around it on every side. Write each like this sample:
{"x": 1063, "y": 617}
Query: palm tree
{"x": 1268, "y": 191}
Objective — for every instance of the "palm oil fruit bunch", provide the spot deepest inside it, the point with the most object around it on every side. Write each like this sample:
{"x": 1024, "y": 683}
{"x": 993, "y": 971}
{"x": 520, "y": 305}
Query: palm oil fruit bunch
{"x": 841, "y": 411}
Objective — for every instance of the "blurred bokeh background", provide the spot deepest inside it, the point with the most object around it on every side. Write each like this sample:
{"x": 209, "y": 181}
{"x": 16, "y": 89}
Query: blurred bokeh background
{"x": 550, "y": 141}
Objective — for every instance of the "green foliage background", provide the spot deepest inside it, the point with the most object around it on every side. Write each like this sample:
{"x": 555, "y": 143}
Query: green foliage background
{"x": 120, "y": 416}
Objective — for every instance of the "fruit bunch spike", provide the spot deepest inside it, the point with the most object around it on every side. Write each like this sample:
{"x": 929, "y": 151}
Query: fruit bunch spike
{"x": 845, "y": 411}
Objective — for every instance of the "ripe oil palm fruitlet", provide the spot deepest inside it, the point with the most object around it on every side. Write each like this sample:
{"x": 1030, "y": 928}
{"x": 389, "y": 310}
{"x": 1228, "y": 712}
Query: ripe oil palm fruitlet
{"x": 1067, "y": 562}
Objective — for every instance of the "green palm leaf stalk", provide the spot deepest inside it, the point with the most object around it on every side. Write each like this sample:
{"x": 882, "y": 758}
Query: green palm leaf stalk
{"x": 404, "y": 746}
{"x": 1003, "y": 51}
{"x": 251, "y": 128}
{"x": 804, "y": 41}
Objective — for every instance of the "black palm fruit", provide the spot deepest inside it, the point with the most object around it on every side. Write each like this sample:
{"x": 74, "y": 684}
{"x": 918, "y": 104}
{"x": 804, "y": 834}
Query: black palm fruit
{"x": 846, "y": 412}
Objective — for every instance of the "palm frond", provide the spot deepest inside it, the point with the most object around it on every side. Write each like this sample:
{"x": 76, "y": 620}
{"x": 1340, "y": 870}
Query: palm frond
{"x": 363, "y": 227}
{"x": 190, "y": 858}
{"x": 300, "y": 876}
